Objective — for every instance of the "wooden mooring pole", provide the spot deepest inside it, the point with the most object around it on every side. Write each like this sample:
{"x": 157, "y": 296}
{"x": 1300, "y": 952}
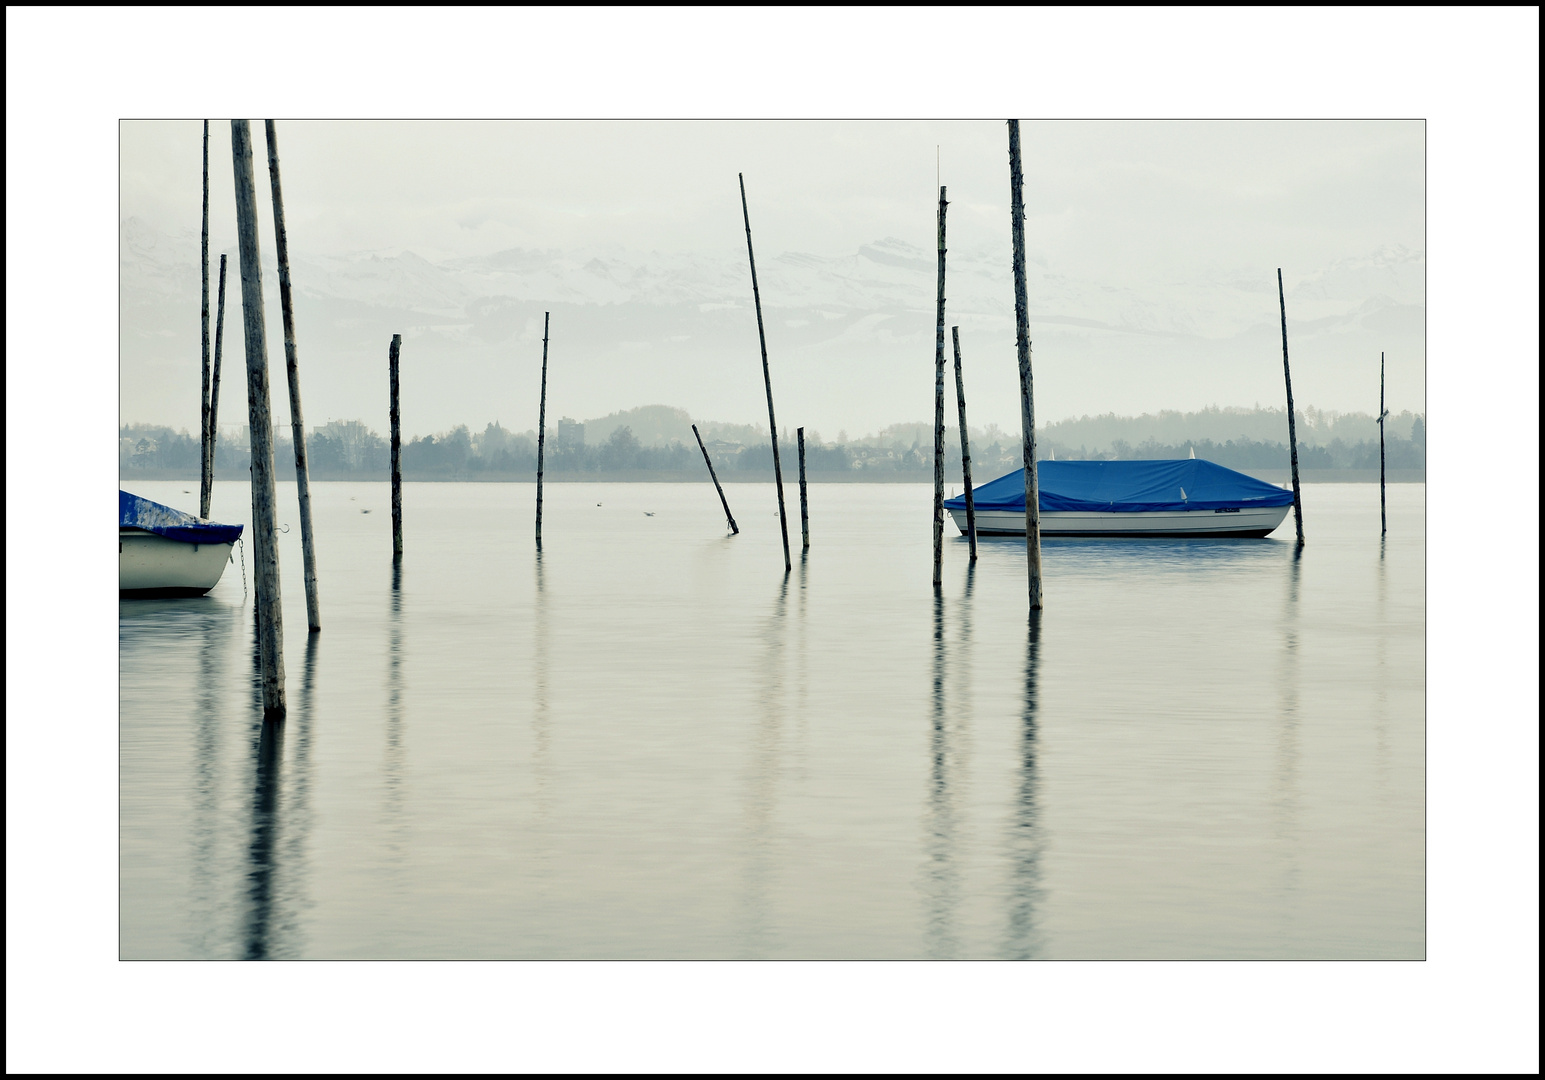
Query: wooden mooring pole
{"x": 292, "y": 369}
{"x": 711, "y": 475}
{"x": 804, "y": 503}
{"x": 391, "y": 363}
{"x": 965, "y": 446}
{"x": 1287, "y": 377}
{"x": 938, "y": 415}
{"x": 265, "y": 571}
{"x": 1383, "y": 518}
{"x": 214, "y": 391}
{"x": 772, "y": 422}
{"x": 205, "y": 463}
{"x": 541, "y": 431}
{"x": 1026, "y": 380}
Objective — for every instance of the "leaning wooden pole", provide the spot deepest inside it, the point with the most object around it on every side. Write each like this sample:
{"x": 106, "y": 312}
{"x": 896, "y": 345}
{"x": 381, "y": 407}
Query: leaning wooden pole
{"x": 1287, "y": 377}
{"x": 1383, "y": 518}
{"x": 396, "y": 417}
{"x": 292, "y": 369}
{"x": 715, "y": 478}
{"x": 541, "y": 432}
{"x": 804, "y": 503}
{"x": 965, "y": 446}
{"x": 772, "y": 421}
{"x": 938, "y": 414}
{"x": 206, "y": 463}
{"x": 1026, "y": 381}
{"x": 267, "y": 608}
{"x": 214, "y": 388}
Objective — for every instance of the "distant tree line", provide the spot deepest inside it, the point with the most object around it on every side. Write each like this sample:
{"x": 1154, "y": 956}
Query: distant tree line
{"x": 1247, "y": 454}
{"x": 349, "y": 450}
{"x": 496, "y": 451}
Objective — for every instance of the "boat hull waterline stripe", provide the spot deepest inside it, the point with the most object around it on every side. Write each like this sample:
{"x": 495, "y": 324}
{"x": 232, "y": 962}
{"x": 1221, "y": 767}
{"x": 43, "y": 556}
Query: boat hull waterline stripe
{"x": 1255, "y": 522}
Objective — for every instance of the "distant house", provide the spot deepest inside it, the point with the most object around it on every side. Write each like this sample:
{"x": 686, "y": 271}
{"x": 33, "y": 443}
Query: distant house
{"x": 354, "y": 442}
{"x": 571, "y": 434}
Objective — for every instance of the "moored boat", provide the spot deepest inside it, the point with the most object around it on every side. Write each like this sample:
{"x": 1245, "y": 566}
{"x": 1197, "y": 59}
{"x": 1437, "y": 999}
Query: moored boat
{"x": 165, "y": 552}
{"x": 1180, "y": 498}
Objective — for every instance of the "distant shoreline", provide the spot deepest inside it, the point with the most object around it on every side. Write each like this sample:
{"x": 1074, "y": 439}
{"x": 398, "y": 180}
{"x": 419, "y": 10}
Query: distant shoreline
{"x": 1273, "y": 476}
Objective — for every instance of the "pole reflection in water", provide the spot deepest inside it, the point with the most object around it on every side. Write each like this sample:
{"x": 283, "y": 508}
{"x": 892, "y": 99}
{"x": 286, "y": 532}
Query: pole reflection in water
{"x": 942, "y": 881}
{"x": 762, "y": 783}
{"x": 1285, "y": 795}
{"x": 1381, "y": 719}
{"x": 280, "y": 830}
{"x": 801, "y": 745}
{"x": 395, "y": 759}
{"x": 297, "y": 812}
{"x": 205, "y": 925}
{"x": 267, "y": 766}
{"x": 540, "y": 713}
{"x": 1026, "y": 840}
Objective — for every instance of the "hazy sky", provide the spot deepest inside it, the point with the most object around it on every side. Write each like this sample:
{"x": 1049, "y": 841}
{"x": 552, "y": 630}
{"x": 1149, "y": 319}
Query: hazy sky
{"x": 1116, "y": 200}
{"x": 1141, "y": 236}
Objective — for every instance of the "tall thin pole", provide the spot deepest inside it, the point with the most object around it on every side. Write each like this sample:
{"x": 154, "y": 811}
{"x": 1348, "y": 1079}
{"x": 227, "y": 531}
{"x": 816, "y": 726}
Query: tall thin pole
{"x": 1026, "y": 380}
{"x": 1383, "y": 519}
{"x": 1287, "y": 376}
{"x": 214, "y": 388}
{"x": 804, "y": 504}
{"x": 205, "y": 462}
{"x": 267, "y": 608}
{"x": 772, "y": 422}
{"x": 541, "y": 432}
{"x": 938, "y": 415}
{"x": 712, "y": 476}
{"x": 391, "y": 363}
{"x": 292, "y": 369}
{"x": 965, "y": 446}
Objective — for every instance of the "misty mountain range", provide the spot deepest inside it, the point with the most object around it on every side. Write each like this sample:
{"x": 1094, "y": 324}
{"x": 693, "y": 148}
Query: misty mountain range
{"x": 647, "y": 324}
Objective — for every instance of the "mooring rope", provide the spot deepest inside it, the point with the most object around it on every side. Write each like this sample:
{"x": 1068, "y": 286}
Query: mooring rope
{"x": 243, "y": 548}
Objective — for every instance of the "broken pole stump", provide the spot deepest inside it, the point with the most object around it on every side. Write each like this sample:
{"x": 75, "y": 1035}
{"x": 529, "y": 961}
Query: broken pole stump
{"x": 266, "y": 608}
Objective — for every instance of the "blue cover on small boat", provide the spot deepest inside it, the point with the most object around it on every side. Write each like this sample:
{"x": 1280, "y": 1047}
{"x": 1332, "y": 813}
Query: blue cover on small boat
{"x": 1129, "y": 486}
{"x": 137, "y": 513}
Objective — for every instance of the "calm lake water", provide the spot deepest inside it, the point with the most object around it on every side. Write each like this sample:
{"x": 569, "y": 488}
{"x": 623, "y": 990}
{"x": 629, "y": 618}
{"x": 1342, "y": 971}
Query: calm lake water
{"x": 648, "y": 742}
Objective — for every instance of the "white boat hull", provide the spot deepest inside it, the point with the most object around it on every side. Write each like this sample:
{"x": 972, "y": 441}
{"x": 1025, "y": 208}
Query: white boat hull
{"x": 1245, "y": 521}
{"x": 153, "y": 565}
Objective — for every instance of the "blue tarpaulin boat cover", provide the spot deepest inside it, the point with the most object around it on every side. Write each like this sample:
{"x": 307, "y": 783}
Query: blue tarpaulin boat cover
{"x": 1130, "y": 486}
{"x": 137, "y": 513}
